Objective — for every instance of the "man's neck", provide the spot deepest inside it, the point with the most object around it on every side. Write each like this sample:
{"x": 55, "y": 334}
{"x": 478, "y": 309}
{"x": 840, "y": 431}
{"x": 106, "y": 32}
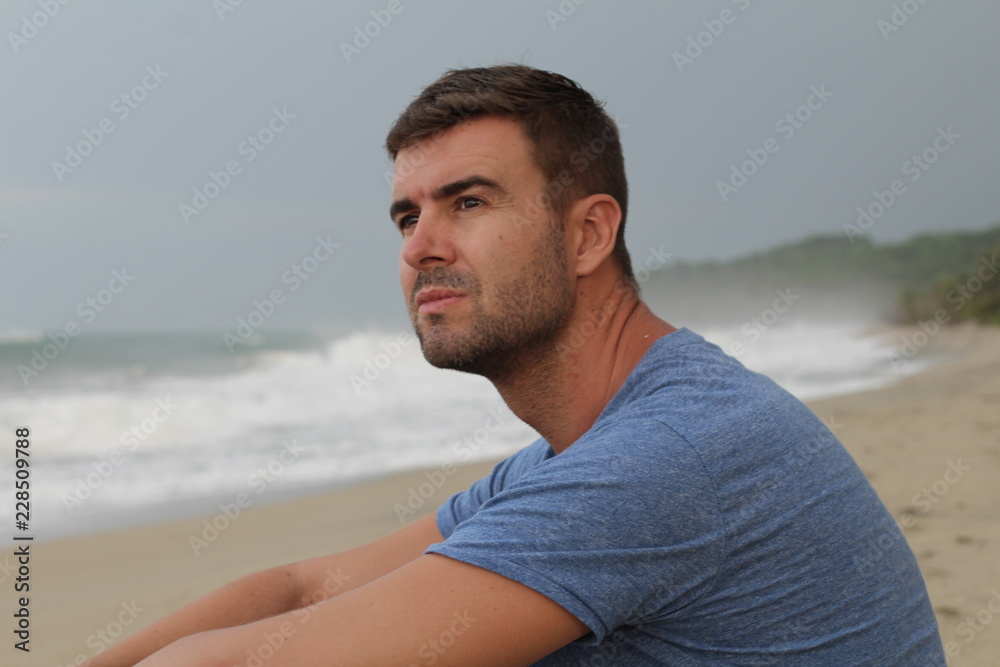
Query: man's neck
{"x": 562, "y": 393}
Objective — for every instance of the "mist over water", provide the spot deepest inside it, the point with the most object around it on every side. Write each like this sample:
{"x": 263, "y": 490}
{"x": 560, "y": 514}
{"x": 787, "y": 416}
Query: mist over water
{"x": 728, "y": 304}
{"x": 815, "y": 340}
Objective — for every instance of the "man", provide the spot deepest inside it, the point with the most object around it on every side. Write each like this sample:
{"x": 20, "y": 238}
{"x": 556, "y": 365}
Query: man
{"x": 679, "y": 509}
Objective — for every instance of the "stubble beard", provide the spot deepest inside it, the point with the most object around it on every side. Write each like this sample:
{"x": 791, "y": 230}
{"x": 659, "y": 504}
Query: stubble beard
{"x": 519, "y": 333}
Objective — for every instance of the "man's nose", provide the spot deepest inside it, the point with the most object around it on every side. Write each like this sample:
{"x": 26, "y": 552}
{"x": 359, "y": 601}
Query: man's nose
{"x": 429, "y": 243}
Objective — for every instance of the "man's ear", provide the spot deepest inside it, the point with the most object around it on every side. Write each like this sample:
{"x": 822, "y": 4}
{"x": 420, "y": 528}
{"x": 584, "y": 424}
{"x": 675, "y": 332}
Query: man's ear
{"x": 594, "y": 222}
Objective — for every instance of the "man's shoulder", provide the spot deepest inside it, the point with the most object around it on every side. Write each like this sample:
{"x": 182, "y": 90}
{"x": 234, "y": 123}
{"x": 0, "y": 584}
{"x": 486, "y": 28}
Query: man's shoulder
{"x": 684, "y": 367}
{"x": 695, "y": 389}
{"x": 520, "y": 462}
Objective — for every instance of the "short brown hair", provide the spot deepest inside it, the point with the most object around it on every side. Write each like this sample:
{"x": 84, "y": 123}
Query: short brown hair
{"x": 575, "y": 143}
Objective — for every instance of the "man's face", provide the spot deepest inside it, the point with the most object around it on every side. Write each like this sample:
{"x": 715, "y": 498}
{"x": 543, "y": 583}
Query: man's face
{"x": 483, "y": 265}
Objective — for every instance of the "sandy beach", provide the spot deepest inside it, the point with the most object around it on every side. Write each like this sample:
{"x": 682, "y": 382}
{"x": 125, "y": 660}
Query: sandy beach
{"x": 930, "y": 445}
{"x": 931, "y": 448}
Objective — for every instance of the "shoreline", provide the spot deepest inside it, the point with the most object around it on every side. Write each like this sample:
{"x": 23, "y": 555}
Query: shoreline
{"x": 929, "y": 443}
{"x": 187, "y": 509}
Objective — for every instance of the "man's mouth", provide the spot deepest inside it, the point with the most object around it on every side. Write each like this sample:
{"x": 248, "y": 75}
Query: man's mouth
{"x": 436, "y": 299}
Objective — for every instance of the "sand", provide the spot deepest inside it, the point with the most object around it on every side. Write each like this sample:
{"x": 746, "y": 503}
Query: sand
{"x": 930, "y": 446}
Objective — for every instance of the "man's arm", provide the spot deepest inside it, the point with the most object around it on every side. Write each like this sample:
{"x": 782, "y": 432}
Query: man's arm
{"x": 277, "y": 591}
{"x": 433, "y": 610}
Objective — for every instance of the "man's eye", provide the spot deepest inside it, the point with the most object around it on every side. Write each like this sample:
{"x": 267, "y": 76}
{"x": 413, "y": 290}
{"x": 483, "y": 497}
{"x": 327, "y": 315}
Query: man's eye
{"x": 469, "y": 202}
{"x": 407, "y": 221}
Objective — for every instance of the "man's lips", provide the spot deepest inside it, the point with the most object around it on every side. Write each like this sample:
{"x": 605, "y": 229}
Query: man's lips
{"x": 434, "y": 299}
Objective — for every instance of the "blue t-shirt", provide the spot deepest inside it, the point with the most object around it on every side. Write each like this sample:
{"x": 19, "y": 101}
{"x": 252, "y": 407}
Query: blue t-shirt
{"x": 707, "y": 518}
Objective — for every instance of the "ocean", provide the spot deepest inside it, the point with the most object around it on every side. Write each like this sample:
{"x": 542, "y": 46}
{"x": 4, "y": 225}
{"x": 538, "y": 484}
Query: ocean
{"x": 128, "y": 429}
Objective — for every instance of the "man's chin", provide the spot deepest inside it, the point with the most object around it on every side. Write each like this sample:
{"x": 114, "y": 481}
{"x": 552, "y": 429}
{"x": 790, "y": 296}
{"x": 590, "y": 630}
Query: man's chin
{"x": 443, "y": 354}
{"x": 452, "y": 352}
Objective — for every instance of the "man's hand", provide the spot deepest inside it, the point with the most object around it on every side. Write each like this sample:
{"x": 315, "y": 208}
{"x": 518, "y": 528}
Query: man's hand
{"x": 434, "y": 609}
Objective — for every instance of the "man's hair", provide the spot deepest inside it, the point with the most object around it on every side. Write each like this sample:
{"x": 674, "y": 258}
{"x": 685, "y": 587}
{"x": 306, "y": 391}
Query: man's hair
{"x": 575, "y": 144}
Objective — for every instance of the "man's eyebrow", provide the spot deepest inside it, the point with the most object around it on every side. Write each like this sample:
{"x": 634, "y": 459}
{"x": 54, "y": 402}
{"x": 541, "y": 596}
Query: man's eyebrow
{"x": 451, "y": 189}
{"x": 448, "y": 190}
{"x": 399, "y": 206}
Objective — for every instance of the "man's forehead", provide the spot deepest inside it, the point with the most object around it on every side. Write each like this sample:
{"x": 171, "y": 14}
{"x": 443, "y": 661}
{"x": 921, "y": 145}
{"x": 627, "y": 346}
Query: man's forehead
{"x": 435, "y": 167}
{"x": 487, "y": 146}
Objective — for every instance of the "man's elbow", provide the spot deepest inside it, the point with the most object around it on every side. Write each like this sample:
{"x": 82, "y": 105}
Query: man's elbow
{"x": 281, "y": 586}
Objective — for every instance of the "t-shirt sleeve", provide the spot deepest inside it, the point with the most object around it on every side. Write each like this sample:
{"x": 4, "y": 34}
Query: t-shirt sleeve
{"x": 621, "y": 527}
{"x": 465, "y": 504}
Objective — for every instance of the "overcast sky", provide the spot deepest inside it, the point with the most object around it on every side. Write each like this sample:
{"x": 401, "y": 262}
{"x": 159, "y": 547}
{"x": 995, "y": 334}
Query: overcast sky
{"x": 114, "y": 113}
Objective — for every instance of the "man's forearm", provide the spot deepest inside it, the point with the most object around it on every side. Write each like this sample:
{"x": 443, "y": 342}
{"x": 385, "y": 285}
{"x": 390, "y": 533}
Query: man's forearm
{"x": 256, "y": 596}
{"x": 278, "y": 590}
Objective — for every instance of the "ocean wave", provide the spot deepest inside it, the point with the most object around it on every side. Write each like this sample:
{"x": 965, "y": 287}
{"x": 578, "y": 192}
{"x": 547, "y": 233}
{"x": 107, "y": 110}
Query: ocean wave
{"x": 21, "y": 336}
{"x": 351, "y": 407}
{"x": 358, "y": 406}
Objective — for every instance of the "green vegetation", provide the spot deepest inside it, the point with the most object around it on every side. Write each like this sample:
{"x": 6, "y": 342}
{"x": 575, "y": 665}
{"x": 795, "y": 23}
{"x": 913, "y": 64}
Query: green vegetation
{"x": 905, "y": 282}
{"x": 971, "y": 295}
